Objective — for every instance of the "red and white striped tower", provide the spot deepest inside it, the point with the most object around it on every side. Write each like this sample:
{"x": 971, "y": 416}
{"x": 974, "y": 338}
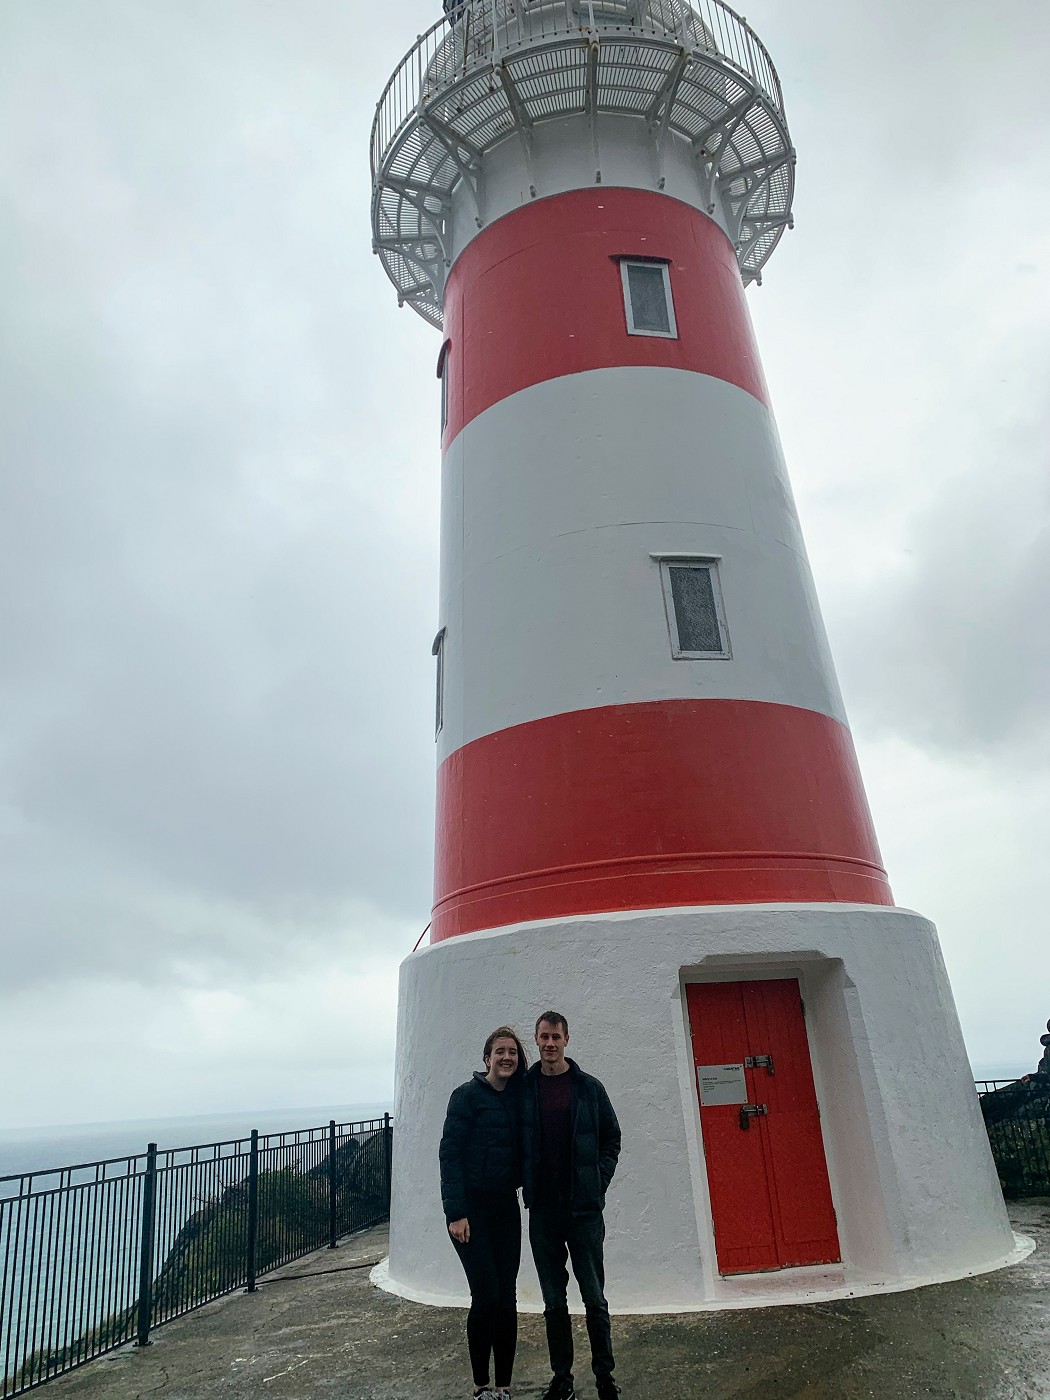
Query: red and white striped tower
{"x": 649, "y": 808}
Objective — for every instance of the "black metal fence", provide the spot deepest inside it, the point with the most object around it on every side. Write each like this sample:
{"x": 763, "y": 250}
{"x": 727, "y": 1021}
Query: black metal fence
{"x": 1017, "y": 1117}
{"x": 96, "y": 1255}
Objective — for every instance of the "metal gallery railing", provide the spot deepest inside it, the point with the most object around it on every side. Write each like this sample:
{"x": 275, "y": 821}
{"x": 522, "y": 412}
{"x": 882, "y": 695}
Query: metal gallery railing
{"x": 99, "y": 1254}
{"x": 476, "y": 33}
{"x": 1017, "y": 1118}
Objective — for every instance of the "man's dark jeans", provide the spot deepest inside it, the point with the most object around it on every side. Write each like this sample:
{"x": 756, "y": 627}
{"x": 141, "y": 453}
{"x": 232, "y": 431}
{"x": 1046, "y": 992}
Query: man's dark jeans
{"x": 555, "y": 1235}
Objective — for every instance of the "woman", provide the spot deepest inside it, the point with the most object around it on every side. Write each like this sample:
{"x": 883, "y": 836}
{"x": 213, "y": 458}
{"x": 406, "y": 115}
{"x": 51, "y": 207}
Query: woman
{"x": 480, "y": 1174}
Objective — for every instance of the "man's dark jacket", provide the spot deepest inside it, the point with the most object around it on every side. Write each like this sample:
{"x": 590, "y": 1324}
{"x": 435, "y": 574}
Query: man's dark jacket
{"x": 480, "y": 1149}
{"x": 595, "y": 1141}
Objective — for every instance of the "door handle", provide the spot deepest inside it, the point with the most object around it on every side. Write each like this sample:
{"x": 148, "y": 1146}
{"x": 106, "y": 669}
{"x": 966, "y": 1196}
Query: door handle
{"x": 749, "y": 1111}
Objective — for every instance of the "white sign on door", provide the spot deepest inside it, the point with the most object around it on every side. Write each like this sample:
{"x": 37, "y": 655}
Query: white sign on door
{"x": 721, "y": 1084}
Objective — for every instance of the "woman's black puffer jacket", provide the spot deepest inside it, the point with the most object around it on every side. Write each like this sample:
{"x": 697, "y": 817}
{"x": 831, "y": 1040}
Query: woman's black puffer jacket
{"x": 480, "y": 1147}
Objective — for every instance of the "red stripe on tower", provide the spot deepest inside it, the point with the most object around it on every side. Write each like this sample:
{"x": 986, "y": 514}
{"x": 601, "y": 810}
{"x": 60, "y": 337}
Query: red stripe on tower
{"x": 650, "y": 806}
{"x": 537, "y": 295}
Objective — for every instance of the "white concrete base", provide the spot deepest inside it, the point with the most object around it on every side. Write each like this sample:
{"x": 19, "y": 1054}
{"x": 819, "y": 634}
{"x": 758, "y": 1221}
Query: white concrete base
{"x": 790, "y": 1287}
{"x": 912, "y": 1178}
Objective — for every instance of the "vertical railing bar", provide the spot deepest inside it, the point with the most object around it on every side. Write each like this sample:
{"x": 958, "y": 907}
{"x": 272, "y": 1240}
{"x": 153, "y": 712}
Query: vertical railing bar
{"x": 7, "y": 1299}
{"x": 115, "y": 1237}
{"x": 98, "y": 1256}
{"x": 149, "y": 1188}
{"x": 134, "y": 1234}
{"x": 388, "y": 1158}
{"x": 181, "y": 1203}
{"x": 84, "y": 1270}
{"x": 112, "y": 1223}
{"x": 124, "y": 1240}
{"x": 185, "y": 1203}
{"x": 43, "y": 1293}
{"x": 70, "y": 1241}
{"x": 53, "y": 1341}
{"x": 162, "y": 1187}
{"x": 237, "y": 1228}
{"x": 5, "y": 1230}
{"x": 332, "y": 1235}
{"x": 253, "y": 1208}
{"x": 164, "y": 1191}
{"x": 27, "y": 1266}
{"x": 14, "y": 1343}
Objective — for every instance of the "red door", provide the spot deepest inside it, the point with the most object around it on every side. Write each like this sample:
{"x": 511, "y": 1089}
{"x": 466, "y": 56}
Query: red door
{"x": 768, "y": 1177}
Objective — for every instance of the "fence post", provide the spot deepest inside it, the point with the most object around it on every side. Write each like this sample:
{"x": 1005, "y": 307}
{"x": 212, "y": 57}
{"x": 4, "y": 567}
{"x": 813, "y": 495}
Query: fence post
{"x": 387, "y": 1155}
{"x": 149, "y": 1222}
{"x": 332, "y": 1232}
{"x": 253, "y": 1207}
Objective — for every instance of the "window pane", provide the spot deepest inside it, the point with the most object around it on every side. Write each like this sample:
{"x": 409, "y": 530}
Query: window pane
{"x": 648, "y": 297}
{"x": 694, "y": 609}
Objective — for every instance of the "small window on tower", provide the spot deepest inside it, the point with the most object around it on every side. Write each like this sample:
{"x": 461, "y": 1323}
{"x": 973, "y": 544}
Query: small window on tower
{"x": 695, "y": 613}
{"x": 647, "y": 299}
{"x": 438, "y": 651}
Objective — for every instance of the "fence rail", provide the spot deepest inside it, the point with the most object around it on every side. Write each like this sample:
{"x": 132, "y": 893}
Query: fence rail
{"x": 102, "y": 1253}
{"x": 1017, "y": 1117}
{"x": 474, "y": 35}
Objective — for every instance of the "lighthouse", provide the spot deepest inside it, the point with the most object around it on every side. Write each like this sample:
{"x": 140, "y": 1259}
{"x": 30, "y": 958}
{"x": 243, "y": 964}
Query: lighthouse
{"x": 649, "y": 810}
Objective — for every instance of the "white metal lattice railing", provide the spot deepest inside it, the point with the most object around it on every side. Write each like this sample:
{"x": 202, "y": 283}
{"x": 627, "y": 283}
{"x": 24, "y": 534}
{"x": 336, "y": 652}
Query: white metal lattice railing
{"x": 493, "y": 68}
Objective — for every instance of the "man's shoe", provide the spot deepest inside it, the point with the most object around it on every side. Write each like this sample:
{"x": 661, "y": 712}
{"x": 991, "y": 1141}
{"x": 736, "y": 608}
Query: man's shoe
{"x": 560, "y": 1389}
{"x": 607, "y": 1389}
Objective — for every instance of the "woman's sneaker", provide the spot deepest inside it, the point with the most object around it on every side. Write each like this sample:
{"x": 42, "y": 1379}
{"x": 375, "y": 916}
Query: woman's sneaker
{"x": 607, "y": 1389}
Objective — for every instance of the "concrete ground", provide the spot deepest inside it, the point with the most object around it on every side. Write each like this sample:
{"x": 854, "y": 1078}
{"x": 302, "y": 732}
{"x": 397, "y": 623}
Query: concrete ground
{"x": 320, "y": 1331}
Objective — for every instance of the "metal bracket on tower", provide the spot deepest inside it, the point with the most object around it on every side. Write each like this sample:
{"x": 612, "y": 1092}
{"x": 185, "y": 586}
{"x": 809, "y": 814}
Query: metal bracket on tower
{"x": 464, "y": 155}
{"x": 659, "y": 114}
{"x": 413, "y": 250}
{"x": 593, "y": 55}
{"x": 756, "y": 177}
{"x": 711, "y": 144}
{"x": 433, "y": 229}
{"x": 522, "y": 120}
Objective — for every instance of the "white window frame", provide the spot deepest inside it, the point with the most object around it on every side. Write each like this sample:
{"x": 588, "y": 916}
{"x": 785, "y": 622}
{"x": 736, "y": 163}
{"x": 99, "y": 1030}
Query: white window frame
{"x": 438, "y": 651}
{"x": 710, "y": 562}
{"x": 632, "y": 329}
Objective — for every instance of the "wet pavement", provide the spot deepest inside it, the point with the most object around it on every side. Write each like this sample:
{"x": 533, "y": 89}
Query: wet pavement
{"x": 313, "y": 1335}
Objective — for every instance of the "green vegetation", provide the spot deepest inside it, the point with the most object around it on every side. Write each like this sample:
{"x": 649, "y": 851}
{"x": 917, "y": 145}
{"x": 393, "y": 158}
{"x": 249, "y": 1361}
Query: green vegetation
{"x": 1021, "y": 1148}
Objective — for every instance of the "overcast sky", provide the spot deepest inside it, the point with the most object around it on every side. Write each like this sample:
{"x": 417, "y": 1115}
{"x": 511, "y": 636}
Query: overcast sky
{"x": 219, "y": 518}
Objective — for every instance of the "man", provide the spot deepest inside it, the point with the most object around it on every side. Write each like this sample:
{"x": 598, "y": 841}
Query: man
{"x": 570, "y": 1144}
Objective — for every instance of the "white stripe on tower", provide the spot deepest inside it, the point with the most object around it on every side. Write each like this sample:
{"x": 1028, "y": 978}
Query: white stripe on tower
{"x": 583, "y": 767}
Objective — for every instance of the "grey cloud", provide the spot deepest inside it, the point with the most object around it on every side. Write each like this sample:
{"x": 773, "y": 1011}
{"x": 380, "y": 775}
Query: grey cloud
{"x": 218, "y": 465}
{"x": 954, "y": 651}
{"x": 216, "y": 686}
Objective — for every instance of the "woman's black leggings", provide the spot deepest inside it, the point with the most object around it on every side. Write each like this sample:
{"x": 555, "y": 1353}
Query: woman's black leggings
{"x": 490, "y": 1261}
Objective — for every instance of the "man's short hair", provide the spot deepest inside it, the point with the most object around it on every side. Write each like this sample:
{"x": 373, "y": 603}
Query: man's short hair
{"x": 553, "y": 1018}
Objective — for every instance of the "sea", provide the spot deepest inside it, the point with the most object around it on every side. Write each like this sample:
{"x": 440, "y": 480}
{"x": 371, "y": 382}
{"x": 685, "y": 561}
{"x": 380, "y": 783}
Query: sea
{"x": 42, "y": 1149}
